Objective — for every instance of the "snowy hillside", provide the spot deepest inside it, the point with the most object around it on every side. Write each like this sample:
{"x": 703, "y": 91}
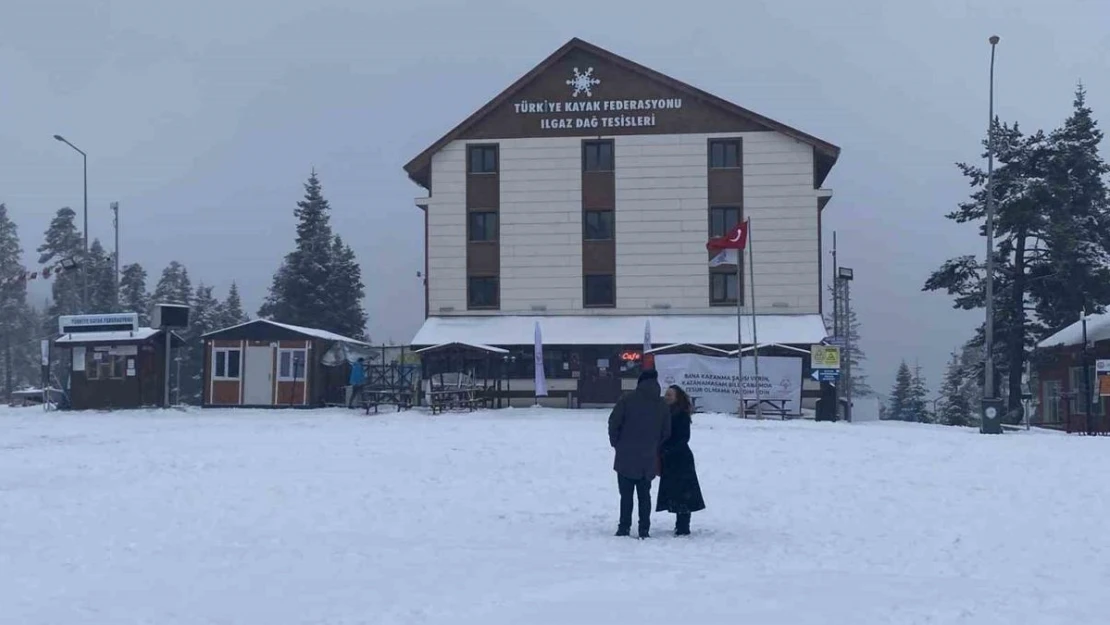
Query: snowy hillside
{"x": 507, "y": 517}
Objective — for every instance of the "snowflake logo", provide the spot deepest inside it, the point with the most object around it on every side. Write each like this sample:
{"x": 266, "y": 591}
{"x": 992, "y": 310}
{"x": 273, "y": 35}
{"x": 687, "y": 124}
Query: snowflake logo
{"x": 583, "y": 82}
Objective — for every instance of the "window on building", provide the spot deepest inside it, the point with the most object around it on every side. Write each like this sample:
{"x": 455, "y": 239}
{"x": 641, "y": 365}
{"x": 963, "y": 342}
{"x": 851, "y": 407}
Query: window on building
{"x": 724, "y": 154}
{"x": 481, "y": 292}
{"x": 600, "y": 291}
{"x": 483, "y": 226}
{"x": 723, "y": 288}
{"x": 556, "y": 363}
{"x": 722, "y": 219}
{"x": 483, "y": 159}
{"x": 226, "y": 364}
{"x": 597, "y": 156}
{"x": 103, "y": 365}
{"x": 598, "y": 225}
{"x": 1050, "y": 413}
{"x": 291, "y": 364}
{"x": 1084, "y": 395}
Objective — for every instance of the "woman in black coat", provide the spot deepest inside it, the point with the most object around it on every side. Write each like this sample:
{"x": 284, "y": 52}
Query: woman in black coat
{"x": 679, "y": 491}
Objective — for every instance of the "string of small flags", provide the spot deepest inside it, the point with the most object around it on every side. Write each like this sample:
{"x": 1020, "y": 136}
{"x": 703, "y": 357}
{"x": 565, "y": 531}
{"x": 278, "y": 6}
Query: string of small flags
{"x": 42, "y": 274}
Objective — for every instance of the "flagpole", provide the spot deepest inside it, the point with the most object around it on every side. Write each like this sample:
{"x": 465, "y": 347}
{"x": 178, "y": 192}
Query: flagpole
{"x": 755, "y": 336}
{"x": 740, "y": 327}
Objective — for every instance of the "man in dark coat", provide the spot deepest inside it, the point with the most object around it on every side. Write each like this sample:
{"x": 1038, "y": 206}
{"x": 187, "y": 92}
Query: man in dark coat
{"x": 638, "y": 425}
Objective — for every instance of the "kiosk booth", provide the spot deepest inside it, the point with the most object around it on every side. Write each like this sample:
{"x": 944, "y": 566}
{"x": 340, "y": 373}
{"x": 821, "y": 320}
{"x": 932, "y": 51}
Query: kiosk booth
{"x": 113, "y": 363}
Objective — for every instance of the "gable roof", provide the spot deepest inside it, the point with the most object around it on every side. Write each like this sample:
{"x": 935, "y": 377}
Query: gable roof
{"x": 825, "y": 153}
{"x": 313, "y": 333}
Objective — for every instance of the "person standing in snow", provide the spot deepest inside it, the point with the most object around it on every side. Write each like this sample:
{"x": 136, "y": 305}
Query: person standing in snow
{"x": 638, "y": 425}
{"x": 357, "y": 381}
{"x": 679, "y": 490}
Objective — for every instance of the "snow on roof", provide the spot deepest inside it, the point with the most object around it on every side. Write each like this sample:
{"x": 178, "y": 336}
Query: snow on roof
{"x": 323, "y": 335}
{"x": 485, "y": 348}
{"x": 116, "y": 336}
{"x": 1098, "y": 329}
{"x": 619, "y": 329}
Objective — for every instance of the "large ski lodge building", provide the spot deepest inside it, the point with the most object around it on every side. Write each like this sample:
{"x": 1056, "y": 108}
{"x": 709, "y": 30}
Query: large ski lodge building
{"x": 582, "y": 197}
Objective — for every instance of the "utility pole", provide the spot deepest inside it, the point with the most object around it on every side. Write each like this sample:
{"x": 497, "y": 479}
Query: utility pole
{"x": 115, "y": 224}
{"x": 836, "y": 292}
{"x": 992, "y": 406}
{"x": 845, "y": 275}
{"x": 836, "y": 325}
{"x": 1088, "y": 392}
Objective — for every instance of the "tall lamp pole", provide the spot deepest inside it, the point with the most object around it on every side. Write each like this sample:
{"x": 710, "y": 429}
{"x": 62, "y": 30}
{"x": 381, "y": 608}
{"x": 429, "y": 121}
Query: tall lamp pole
{"x": 85, "y": 231}
{"x": 991, "y": 408}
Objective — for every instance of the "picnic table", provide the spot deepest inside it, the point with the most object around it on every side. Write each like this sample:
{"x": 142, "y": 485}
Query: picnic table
{"x": 375, "y": 397}
{"x": 767, "y": 406}
{"x": 468, "y": 398}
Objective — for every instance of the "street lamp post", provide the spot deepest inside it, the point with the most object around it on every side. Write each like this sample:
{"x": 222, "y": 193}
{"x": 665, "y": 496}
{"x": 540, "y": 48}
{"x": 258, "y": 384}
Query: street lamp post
{"x": 990, "y": 403}
{"x": 85, "y": 231}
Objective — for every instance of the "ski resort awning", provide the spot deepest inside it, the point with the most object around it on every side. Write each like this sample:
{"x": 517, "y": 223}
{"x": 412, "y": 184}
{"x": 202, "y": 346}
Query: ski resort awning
{"x": 762, "y": 346}
{"x": 689, "y": 347}
{"x": 618, "y": 329}
{"x": 474, "y": 346}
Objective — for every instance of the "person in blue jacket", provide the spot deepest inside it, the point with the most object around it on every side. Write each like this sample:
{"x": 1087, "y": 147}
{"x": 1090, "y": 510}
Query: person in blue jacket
{"x": 357, "y": 381}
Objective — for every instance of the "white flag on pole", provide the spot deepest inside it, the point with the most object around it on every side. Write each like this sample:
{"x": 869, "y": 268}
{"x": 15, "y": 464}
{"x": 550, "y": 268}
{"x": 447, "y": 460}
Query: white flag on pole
{"x": 647, "y": 336}
{"x": 541, "y": 379}
{"x": 725, "y": 257}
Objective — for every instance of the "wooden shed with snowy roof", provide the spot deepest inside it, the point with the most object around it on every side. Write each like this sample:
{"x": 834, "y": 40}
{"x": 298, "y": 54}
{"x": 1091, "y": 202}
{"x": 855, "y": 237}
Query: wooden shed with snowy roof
{"x": 264, "y": 364}
{"x": 112, "y": 362}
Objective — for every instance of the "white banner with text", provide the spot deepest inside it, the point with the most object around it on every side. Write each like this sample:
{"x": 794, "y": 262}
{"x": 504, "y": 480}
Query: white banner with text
{"x": 713, "y": 381}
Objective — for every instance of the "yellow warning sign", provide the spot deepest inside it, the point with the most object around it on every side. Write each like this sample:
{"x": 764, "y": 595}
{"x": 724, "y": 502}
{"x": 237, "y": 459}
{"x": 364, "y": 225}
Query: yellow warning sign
{"x": 824, "y": 357}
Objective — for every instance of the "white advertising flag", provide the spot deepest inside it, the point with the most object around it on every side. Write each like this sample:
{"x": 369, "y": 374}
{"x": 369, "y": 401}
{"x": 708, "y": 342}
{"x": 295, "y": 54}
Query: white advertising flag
{"x": 541, "y": 379}
{"x": 647, "y": 336}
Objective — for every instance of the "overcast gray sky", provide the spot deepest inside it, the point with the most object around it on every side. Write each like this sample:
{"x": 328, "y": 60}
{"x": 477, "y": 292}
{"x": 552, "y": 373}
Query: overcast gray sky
{"x": 203, "y": 119}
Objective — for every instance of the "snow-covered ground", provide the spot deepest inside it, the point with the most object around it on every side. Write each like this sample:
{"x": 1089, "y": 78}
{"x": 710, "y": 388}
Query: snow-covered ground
{"x": 249, "y": 517}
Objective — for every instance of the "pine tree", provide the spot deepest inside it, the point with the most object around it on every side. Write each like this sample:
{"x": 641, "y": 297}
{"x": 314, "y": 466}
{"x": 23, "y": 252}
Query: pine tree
{"x": 955, "y": 406}
{"x": 204, "y": 318}
{"x": 851, "y": 351}
{"x": 174, "y": 287}
{"x": 1074, "y": 271}
{"x": 319, "y": 283}
{"x": 917, "y": 404}
{"x": 63, "y": 242}
{"x": 231, "y": 310}
{"x": 13, "y": 299}
{"x": 132, "y": 292}
{"x": 1053, "y": 240}
{"x": 901, "y": 394}
{"x": 346, "y": 292}
{"x": 100, "y": 268}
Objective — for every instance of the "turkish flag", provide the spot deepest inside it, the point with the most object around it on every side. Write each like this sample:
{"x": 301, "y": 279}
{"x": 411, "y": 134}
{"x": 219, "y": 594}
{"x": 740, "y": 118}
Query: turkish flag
{"x": 735, "y": 239}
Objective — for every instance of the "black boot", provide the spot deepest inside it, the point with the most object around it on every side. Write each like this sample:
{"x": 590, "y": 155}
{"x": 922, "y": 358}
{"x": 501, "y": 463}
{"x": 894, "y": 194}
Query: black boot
{"x": 682, "y": 524}
{"x": 623, "y": 531}
{"x": 644, "y": 533}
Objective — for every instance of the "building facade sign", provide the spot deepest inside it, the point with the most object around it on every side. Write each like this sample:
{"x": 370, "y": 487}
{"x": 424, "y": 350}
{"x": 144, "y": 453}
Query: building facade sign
{"x": 98, "y": 323}
{"x": 581, "y": 111}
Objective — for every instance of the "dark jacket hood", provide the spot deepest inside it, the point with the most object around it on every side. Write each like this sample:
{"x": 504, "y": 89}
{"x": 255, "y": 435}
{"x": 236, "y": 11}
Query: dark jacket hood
{"x": 650, "y": 387}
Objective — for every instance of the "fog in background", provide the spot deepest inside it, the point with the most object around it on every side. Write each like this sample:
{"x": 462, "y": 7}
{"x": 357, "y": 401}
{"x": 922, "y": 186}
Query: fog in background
{"x": 203, "y": 120}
